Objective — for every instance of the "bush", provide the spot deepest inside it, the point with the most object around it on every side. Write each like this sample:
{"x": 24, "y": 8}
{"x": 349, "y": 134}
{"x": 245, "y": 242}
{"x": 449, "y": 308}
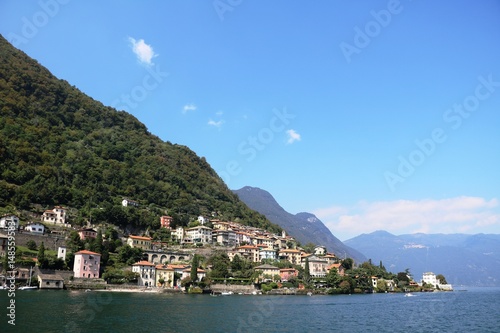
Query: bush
{"x": 31, "y": 244}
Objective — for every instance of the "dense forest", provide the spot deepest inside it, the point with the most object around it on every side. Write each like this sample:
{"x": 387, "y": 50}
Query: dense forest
{"x": 58, "y": 146}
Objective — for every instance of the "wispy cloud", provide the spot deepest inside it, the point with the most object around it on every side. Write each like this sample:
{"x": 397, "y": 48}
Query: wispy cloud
{"x": 219, "y": 113}
{"x": 292, "y": 136}
{"x": 188, "y": 107}
{"x": 214, "y": 123}
{"x": 143, "y": 51}
{"x": 453, "y": 215}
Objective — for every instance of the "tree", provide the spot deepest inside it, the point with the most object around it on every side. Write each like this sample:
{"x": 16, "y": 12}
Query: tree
{"x": 194, "y": 268}
{"x": 333, "y": 278}
{"x": 98, "y": 242}
{"x": 441, "y": 278}
{"x": 41, "y": 256}
{"x": 307, "y": 274}
{"x": 309, "y": 247}
{"x": 236, "y": 264}
{"x": 31, "y": 244}
{"x": 347, "y": 263}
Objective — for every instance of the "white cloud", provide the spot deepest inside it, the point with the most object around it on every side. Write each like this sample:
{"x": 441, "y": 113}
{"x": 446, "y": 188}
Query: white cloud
{"x": 188, "y": 107}
{"x": 214, "y": 123}
{"x": 453, "y": 215}
{"x": 219, "y": 113}
{"x": 143, "y": 51}
{"x": 292, "y": 136}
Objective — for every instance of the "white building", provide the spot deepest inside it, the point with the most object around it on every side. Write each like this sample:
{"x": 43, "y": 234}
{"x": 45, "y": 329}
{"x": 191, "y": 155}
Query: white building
{"x": 55, "y": 216}
{"x": 9, "y": 220}
{"x": 179, "y": 234}
{"x": 61, "y": 252}
{"x": 202, "y": 220}
{"x": 35, "y": 228}
{"x": 199, "y": 234}
{"x": 147, "y": 273}
{"x": 128, "y": 202}
{"x": 430, "y": 278}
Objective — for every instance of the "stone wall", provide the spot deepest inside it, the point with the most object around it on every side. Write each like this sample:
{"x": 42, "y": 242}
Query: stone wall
{"x": 234, "y": 288}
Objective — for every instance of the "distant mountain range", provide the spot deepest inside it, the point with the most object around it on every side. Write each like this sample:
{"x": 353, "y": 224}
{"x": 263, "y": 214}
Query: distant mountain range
{"x": 305, "y": 227}
{"x": 470, "y": 260}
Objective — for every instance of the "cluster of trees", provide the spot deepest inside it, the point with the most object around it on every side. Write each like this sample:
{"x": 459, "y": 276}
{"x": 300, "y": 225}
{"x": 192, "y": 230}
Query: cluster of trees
{"x": 59, "y": 146}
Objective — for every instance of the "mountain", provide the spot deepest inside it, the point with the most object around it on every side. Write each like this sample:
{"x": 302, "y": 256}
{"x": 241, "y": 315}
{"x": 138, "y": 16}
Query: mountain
{"x": 472, "y": 260}
{"x": 305, "y": 227}
{"x": 59, "y": 146}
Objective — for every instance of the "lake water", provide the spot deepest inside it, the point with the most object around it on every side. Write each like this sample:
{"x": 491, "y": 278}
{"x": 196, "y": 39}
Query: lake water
{"x": 475, "y": 310}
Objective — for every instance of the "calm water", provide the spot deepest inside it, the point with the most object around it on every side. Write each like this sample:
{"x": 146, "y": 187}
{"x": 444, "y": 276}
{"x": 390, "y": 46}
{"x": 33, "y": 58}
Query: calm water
{"x": 476, "y": 310}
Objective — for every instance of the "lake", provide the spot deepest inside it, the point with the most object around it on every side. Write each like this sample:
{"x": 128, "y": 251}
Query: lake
{"x": 475, "y": 310}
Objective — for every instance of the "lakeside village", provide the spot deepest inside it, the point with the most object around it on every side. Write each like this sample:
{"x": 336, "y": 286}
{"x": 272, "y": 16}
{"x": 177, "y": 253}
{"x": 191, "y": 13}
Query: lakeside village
{"x": 210, "y": 256}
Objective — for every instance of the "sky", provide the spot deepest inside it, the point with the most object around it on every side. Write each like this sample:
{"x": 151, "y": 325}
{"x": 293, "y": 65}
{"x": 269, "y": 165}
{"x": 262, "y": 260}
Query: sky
{"x": 373, "y": 115}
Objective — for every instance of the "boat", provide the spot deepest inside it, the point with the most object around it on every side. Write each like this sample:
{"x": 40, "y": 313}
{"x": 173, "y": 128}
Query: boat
{"x": 28, "y": 286}
{"x": 226, "y": 293}
{"x": 309, "y": 293}
{"x": 409, "y": 295}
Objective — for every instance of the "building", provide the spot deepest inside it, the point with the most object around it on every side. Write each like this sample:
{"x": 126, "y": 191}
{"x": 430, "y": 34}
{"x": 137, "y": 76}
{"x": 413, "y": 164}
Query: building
{"x": 35, "y": 228}
{"x": 199, "y": 234}
{"x": 50, "y": 281}
{"x": 224, "y": 237}
{"x": 166, "y": 222}
{"x": 178, "y": 234}
{"x": 9, "y": 220}
{"x": 248, "y": 252}
{"x": 287, "y": 273}
{"x": 87, "y": 233}
{"x": 267, "y": 270}
{"x": 61, "y": 252}
{"x": 129, "y": 203}
{"x": 317, "y": 266}
{"x": 291, "y": 255}
{"x": 320, "y": 250}
{"x": 340, "y": 269}
{"x": 202, "y": 220}
{"x": 430, "y": 278}
{"x": 87, "y": 264}
{"x": 200, "y": 273}
{"x": 147, "y": 273}
{"x": 141, "y": 242}
{"x": 267, "y": 253}
{"x": 55, "y": 216}
{"x": 167, "y": 274}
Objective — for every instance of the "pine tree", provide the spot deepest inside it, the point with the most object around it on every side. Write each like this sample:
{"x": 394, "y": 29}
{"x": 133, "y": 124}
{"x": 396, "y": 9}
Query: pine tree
{"x": 41, "y": 255}
{"x": 194, "y": 268}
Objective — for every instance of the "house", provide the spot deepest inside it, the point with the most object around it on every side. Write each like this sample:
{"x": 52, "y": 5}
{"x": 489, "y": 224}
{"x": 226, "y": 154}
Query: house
{"x": 166, "y": 222}
{"x": 374, "y": 281}
{"x": 430, "y": 278}
{"x": 9, "y": 220}
{"x": 267, "y": 253}
{"x": 320, "y": 250}
{"x": 390, "y": 284}
{"x": 340, "y": 269}
{"x": 178, "y": 234}
{"x": 287, "y": 273}
{"x": 202, "y": 220}
{"x": 141, "y": 242}
{"x": 87, "y": 233}
{"x": 200, "y": 273}
{"x": 55, "y": 216}
{"x": 87, "y": 264}
{"x": 50, "y": 281}
{"x": 199, "y": 234}
{"x": 224, "y": 237}
{"x": 61, "y": 252}
{"x": 167, "y": 274}
{"x": 128, "y": 202}
{"x": 317, "y": 266}
{"x": 268, "y": 270}
{"x": 291, "y": 255}
{"x": 35, "y": 228}
{"x": 147, "y": 273}
{"x": 249, "y": 252}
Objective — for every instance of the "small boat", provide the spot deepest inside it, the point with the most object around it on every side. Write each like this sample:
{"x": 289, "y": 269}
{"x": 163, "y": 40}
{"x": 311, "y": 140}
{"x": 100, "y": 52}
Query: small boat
{"x": 88, "y": 290}
{"x": 309, "y": 293}
{"x": 226, "y": 293}
{"x": 409, "y": 295}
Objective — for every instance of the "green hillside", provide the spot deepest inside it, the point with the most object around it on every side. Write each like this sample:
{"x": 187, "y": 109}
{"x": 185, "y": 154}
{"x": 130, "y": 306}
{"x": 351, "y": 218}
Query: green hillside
{"x": 61, "y": 147}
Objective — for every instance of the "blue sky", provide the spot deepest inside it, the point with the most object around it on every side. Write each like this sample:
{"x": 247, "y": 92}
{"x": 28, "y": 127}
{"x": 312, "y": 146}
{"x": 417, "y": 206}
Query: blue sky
{"x": 372, "y": 115}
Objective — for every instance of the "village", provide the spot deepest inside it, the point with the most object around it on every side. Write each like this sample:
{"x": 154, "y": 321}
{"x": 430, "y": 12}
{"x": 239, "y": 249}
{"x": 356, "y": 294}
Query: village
{"x": 278, "y": 264}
